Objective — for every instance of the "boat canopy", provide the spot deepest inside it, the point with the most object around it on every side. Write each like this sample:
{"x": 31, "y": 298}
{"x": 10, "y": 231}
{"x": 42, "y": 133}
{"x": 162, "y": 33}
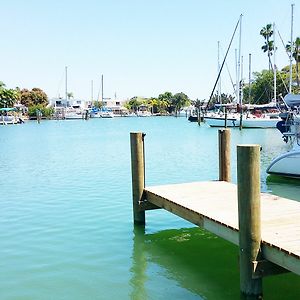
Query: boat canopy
{"x": 7, "y": 109}
{"x": 292, "y": 100}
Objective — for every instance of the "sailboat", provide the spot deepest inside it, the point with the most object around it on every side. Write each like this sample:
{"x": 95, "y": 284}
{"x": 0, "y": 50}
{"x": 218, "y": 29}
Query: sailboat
{"x": 222, "y": 119}
{"x": 288, "y": 163}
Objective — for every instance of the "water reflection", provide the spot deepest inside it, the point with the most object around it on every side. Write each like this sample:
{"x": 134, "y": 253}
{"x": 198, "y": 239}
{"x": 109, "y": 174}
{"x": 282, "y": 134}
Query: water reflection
{"x": 201, "y": 264}
{"x": 284, "y": 187}
{"x": 139, "y": 264}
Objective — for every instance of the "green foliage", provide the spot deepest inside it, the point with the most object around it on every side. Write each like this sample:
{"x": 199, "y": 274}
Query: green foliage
{"x": 34, "y": 97}
{"x": 262, "y": 88}
{"x": 166, "y": 102}
{"x": 47, "y": 112}
{"x": 179, "y": 101}
{"x": 268, "y": 46}
{"x": 296, "y": 56}
{"x": 224, "y": 98}
{"x": 98, "y": 104}
{"x": 134, "y": 103}
{"x": 8, "y": 97}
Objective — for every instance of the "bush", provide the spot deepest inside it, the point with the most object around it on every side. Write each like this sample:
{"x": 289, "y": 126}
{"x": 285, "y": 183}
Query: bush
{"x": 47, "y": 112}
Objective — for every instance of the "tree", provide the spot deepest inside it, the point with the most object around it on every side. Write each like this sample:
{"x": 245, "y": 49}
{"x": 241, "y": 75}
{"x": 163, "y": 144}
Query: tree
{"x": 262, "y": 88}
{"x": 34, "y": 97}
{"x": 134, "y": 103}
{"x": 8, "y": 97}
{"x": 295, "y": 55}
{"x": 268, "y": 47}
{"x": 179, "y": 101}
{"x": 165, "y": 100}
{"x": 70, "y": 95}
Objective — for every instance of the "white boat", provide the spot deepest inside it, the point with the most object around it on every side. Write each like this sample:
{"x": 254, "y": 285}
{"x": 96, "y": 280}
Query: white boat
{"x": 8, "y": 116}
{"x": 263, "y": 121}
{"x": 73, "y": 114}
{"x": 287, "y": 164}
{"x": 8, "y": 120}
{"x": 218, "y": 120}
{"x": 106, "y": 114}
{"x": 143, "y": 113}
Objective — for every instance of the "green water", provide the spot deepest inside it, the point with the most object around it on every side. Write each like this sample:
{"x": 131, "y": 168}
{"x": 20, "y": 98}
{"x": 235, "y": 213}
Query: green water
{"x": 66, "y": 227}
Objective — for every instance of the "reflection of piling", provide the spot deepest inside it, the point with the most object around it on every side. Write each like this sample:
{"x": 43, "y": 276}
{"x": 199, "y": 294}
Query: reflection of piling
{"x": 138, "y": 174}
{"x": 38, "y": 116}
{"x": 86, "y": 115}
{"x": 248, "y": 177}
{"x": 138, "y": 271}
{"x": 224, "y": 155}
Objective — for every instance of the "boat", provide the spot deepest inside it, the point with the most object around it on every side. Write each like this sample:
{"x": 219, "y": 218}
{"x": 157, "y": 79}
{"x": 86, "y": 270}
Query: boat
{"x": 219, "y": 120}
{"x": 143, "y": 113}
{"x": 73, "y": 114}
{"x": 292, "y": 100}
{"x": 106, "y": 114}
{"x": 263, "y": 121}
{"x": 288, "y": 163}
{"x": 6, "y": 118}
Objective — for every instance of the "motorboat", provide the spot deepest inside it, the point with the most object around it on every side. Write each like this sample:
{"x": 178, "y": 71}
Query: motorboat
{"x": 8, "y": 117}
{"x": 143, "y": 113}
{"x": 106, "y": 114}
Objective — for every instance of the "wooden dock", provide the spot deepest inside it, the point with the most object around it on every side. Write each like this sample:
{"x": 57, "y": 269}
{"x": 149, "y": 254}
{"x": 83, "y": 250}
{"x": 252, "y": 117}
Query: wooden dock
{"x": 265, "y": 227}
{"x": 214, "y": 206}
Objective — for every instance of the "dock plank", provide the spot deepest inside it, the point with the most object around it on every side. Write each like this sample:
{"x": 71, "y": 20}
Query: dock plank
{"x": 213, "y": 205}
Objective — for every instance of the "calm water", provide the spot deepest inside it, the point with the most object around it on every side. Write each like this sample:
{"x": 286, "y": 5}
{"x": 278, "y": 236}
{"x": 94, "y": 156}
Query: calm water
{"x": 66, "y": 227}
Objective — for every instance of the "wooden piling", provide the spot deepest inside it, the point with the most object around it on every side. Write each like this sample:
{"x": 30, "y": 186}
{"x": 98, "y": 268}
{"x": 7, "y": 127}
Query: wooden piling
{"x": 138, "y": 174}
{"x": 224, "y": 155}
{"x": 248, "y": 178}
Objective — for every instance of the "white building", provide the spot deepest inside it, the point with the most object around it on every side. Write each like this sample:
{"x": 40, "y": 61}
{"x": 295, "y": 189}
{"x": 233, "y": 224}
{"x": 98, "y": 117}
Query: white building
{"x": 75, "y": 103}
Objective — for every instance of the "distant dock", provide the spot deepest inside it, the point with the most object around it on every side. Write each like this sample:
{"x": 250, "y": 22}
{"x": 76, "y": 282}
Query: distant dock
{"x": 265, "y": 227}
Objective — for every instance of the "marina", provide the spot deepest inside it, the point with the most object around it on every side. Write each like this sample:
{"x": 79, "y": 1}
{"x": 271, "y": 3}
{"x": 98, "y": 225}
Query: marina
{"x": 176, "y": 177}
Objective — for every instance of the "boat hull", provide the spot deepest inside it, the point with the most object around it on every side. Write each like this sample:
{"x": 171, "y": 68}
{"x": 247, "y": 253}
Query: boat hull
{"x": 260, "y": 123}
{"x": 287, "y": 164}
{"x": 220, "y": 122}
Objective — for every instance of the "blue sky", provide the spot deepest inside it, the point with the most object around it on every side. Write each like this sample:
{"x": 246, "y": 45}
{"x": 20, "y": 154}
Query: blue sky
{"x": 143, "y": 48}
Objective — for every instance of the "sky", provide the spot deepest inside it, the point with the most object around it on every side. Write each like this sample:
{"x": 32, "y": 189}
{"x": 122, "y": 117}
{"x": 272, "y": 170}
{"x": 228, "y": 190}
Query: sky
{"x": 142, "y": 48}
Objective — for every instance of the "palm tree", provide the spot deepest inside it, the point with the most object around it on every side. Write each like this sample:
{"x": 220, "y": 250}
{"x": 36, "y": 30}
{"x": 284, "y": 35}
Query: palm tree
{"x": 70, "y": 95}
{"x": 268, "y": 47}
{"x": 296, "y": 55}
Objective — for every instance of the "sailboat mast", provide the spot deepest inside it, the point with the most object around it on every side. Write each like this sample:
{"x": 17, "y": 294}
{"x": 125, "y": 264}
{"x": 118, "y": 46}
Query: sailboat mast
{"x": 102, "y": 89}
{"x": 219, "y": 82}
{"x": 92, "y": 92}
{"x": 66, "y": 84}
{"x": 274, "y": 63}
{"x": 292, "y": 49}
{"x": 241, "y": 81}
{"x": 249, "y": 77}
{"x": 239, "y": 63}
{"x": 236, "y": 76}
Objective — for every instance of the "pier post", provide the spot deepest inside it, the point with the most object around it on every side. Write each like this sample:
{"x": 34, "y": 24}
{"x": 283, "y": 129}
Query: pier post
{"x": 224, "y": 155}
{"x": 138, "y": 174}
{"x": 248, "y": 179}
{"x": 226, "y": 117}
